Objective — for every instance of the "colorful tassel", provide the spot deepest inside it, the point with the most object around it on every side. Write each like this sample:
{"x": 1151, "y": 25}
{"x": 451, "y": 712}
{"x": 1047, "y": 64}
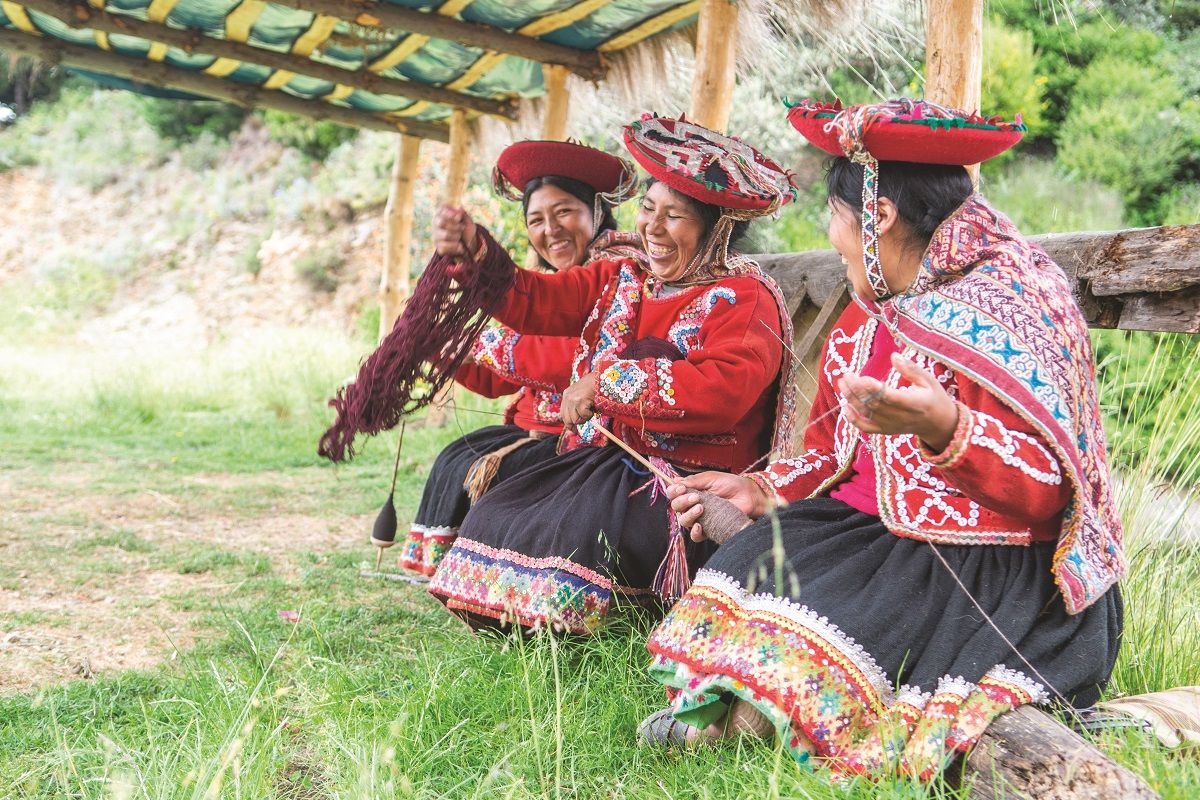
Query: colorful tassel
{"x": 671, "y": 581}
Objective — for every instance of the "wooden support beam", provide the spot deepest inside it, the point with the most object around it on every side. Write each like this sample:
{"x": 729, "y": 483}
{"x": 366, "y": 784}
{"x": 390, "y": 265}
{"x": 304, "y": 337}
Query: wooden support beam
{"x": 713, "y": 81}
{"x": 458, "y": 161}
{"x": 81, "y": 16}
{"x": 394, "y": 283}
{"x": 557, "y": 103}
{"x": 954, "y": 52}
{"x": 954, "y": 55}
{"x": 1028, "y": 755}
{"x": 368, "y": 13}
{"x": 159, "y": 74}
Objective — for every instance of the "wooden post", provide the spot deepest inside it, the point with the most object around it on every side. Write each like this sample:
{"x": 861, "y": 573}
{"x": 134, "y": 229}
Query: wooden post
{"x": 954, "y": 54}
{"x": 394, "y": 284}
{"x": 554, "y": 122}
{"x": 712, "y": 83}
{"x": 458, "y": 162}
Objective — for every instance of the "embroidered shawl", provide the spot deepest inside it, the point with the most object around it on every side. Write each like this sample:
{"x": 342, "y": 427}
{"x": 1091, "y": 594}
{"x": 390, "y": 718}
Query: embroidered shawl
{"x": 992, "y": 305}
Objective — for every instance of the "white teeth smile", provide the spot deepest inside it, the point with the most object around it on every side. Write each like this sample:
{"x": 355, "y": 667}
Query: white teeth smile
{"x": 560, "y": 245}
{"x": 657, "y": 250}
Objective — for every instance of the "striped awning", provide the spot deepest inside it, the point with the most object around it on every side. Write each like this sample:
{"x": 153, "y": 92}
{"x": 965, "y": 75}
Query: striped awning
{"x": 405, "y": 64}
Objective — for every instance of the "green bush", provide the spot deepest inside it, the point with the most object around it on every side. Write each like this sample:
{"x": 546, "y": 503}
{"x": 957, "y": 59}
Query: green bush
{"x": 319, "y": 269}
{"x": 185, "y": 120}
{"x": 25, "y": 80}
{"x": 1011, "y": 84}
{"x": 1127, "y": 129}
{"x": 316, "y": 140}
{"x": 89, "y": 137}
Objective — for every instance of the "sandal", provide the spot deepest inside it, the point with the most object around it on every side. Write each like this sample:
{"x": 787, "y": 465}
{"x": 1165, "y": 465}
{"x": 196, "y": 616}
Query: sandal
{"x": 663, "y": 730}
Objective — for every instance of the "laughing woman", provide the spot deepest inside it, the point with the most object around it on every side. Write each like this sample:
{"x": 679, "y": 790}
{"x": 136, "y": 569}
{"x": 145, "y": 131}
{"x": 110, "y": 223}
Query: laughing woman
{"x": 681, "y": 359}
{"x": 954, "y": 457}
{"x": 567, "y": 192}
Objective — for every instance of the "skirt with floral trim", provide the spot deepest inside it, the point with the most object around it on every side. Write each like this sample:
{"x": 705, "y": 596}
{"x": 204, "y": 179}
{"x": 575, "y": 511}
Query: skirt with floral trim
{"x": 560, "y": 544}
{"x": 444, "y": 502}
{"x": 862, "y": 643}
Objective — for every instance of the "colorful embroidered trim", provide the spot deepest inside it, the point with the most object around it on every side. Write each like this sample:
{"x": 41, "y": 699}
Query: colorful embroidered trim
{"x": 513, "y": 587}
{"x": 817, "y": 685}
{"x": 957, "y": 447}
{"x": 425, "y": 546}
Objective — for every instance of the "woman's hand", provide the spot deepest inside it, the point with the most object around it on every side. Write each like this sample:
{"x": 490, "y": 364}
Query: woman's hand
{"x": 579, "y": 400}
{"x": 737, "y": 489}
{"x": 453, "y": 233}
{"x": 924, "y": 409}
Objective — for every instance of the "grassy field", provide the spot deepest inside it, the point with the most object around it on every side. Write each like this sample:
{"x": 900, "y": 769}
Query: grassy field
{"x": 159, "y": 514}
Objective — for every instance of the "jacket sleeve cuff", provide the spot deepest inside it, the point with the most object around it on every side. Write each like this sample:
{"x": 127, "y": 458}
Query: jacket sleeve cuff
{"x": 957, "y": 448}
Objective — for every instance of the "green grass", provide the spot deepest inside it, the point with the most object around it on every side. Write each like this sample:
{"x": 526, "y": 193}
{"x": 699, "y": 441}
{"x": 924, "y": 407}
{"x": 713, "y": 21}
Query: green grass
{"x": 376, "y": 692}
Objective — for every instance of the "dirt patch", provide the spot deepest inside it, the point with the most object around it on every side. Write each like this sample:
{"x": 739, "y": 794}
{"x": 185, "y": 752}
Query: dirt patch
{"x": 91, "y": 576}
{"x": 123, "y": 624}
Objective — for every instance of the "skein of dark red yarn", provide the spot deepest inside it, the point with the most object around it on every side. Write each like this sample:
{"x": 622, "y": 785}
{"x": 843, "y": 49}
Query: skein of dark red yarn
{"x": 447, "y": 311}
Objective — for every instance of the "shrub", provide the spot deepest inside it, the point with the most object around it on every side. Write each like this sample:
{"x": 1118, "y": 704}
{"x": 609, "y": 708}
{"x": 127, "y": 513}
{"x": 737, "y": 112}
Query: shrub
{"x": 88, "y": 137}
{"x": 185, "y": 120}
{"x": 319, "y": 269}
{"x": 1011, "y": 84}
{"x": 316, "y": 140}
{"x": 24, "y": 80}
{"x": 1127, "y": 130}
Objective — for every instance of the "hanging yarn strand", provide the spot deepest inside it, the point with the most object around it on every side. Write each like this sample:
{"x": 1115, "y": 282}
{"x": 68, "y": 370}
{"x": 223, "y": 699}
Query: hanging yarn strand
{"x": 445, "y": 315}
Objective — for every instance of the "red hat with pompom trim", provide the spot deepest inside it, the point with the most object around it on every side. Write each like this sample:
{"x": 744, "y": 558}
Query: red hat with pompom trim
{"x": 708, "y": 166}
{"x": 905, "y": 130}
{"x": 521, "y": 162}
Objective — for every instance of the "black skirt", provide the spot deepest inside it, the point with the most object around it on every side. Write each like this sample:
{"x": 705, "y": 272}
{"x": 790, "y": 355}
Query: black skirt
{"x": 865, "y": 645}
{"x": 560, "y": 543}
{"x": 444, "y": 502}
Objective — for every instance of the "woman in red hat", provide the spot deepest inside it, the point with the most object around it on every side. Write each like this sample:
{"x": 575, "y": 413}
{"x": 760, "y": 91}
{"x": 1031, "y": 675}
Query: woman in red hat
{"x": 567, "y": 192}
{"x": 680, "y": 358}
{"x": 946, "y": 546}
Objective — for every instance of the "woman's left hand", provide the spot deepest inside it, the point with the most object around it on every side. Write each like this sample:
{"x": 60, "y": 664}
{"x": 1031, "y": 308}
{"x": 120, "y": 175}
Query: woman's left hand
{"x": 578, "y": 401}
{"x": 924, "y": 408}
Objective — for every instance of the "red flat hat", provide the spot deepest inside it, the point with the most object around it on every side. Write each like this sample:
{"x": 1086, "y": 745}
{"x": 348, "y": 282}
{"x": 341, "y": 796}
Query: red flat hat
{"x": 521, "y": 162}
{"x": 708, "y": 166}
{"x": 906, "y": 130}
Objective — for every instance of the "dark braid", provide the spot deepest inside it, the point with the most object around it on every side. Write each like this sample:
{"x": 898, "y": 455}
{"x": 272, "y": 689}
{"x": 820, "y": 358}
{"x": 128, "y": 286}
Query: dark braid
{"x": 924, "y": 194}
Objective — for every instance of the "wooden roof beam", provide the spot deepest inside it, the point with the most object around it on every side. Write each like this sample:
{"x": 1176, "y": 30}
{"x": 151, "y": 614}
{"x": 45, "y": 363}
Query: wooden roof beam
{"x": 587, "y": 63}
{"x": 82, "y": 16}
{"x": 153, "y": 73}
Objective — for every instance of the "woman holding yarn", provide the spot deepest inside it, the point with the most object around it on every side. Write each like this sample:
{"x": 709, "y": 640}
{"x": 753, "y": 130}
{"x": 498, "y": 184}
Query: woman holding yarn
{"x": 949, "y": 546}
{"x": 567, "y": 192}
{"x": 681, "y": 359}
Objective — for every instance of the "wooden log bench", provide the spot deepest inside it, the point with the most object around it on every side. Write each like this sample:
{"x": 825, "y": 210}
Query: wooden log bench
{"x": 1139, "y": 279}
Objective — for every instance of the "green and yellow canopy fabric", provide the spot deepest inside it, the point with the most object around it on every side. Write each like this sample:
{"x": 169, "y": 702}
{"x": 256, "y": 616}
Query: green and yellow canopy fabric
{"x": 481, "y": 55}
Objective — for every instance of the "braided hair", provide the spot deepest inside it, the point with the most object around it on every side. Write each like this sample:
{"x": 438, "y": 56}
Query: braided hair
{"x": 925, "y": 195}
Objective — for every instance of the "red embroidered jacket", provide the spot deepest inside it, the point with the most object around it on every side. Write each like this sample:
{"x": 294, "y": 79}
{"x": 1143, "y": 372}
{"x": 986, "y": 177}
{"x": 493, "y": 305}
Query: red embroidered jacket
{"x": 1001, "y": 484}
{"x": 714, "y": 407}
{"x": 536, "y": 368}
